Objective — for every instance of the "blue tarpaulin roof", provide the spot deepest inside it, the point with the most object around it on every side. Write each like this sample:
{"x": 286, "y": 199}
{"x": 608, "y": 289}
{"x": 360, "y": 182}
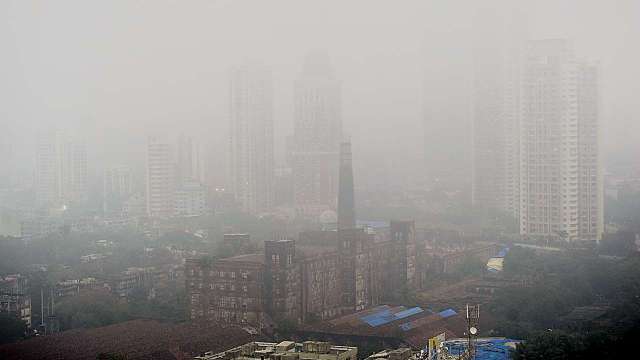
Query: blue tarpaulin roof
{"x": 486, "y": 349}
{"x": 447, "y": 313}
{"x": 376, "y": 224}
{"x": 503, "y": 252}
{"x": 408, "y": 312}
{"x": 385, "y": 316}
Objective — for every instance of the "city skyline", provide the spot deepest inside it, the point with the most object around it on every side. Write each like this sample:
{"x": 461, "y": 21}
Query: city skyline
{"x": 363, "y": 58}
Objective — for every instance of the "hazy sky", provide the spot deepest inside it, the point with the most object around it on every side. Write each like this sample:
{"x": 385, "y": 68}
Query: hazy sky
{"x": 118, "y": 69}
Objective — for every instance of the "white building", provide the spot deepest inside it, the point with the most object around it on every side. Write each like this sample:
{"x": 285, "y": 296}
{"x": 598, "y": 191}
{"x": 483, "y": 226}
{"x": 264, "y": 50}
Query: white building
{"x": 61, "y": 169}
{"x": 317, "y": 135}
{"x": 190, "y": 164}
{"x": 560, "y": 167}
{"x": 190, "y": 199}
{"x": 251, "y": 136}
{"x": 159, "y": 178}
{"x": 117, "y": 187}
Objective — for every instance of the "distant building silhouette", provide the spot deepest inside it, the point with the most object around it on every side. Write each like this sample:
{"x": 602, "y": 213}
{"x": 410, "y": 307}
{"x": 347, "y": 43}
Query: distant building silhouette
{"x": 252, "y": 154}
{"x": 317, "y": 134}
{"x": 498, "y": 53}
{"x": 61, "y": 169}
{"x": 160, "y": 178}
{"x": 346, "y": 201}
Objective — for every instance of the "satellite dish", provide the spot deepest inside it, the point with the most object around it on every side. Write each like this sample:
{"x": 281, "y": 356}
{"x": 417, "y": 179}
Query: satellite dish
{"x": 473, "y": 330}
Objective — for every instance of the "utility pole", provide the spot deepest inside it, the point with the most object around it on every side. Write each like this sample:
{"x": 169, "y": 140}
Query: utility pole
{"x": 42, "y": 325}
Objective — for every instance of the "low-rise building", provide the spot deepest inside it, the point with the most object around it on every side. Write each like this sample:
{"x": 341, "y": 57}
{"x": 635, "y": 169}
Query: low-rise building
{"x": 330, "y": 273}
{"x": 134, "y": 278}
{"x": 189, "y": 199}
{"x": 395, "y": 354}
{"x": 229, "y": 290}
{"x": 14, "y": 297}
{"x": 75, "y": 286}
{"x": 285, "y": 350}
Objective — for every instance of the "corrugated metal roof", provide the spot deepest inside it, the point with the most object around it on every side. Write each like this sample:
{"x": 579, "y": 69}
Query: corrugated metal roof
{"x": 447, "y": 313}
{"x": 386, "y": 316}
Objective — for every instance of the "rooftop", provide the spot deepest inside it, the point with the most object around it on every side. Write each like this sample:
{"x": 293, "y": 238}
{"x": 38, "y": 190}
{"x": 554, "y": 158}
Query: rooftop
{"x": 313, "y": 250}
{"x": 285, "y": 350}
{"x": 138, "y": 339}
{"x": 486, "y": 348}
{"x": 252, "y": 258}
{"x": 412, "y": 325}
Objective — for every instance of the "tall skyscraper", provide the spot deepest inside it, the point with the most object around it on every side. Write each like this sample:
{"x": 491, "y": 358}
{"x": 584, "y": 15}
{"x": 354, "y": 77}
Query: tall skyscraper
{"x": 160, "y": 178}
{"x": 47, "y": 173}
{"x": 189, "y": 162}
{"x": 317, "y": 135}
{"x": 560, "y": 165}
{"x": 75, "y": 171}
{"x": 61, "y": 169}
{"x": 6, "y": 158}
{"x": 252, "y": 154}
{"x": 496, "y": 114}
{"x": 346, "y": 201}
{"x": 117, "y": 188}
{"x": 446, "y": 110}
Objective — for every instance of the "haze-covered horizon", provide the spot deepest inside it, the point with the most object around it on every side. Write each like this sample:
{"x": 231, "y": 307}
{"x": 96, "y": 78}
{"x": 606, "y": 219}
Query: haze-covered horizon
{"x": 117, "y": 71}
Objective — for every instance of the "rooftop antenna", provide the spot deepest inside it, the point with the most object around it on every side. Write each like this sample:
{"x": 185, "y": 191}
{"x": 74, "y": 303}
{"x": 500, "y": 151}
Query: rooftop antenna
{"x": 473, "y": 318}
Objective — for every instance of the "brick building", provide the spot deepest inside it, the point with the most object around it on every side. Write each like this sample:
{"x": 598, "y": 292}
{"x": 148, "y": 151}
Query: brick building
{"x": 229, "y": 290}
{"x": 323, "y": 275}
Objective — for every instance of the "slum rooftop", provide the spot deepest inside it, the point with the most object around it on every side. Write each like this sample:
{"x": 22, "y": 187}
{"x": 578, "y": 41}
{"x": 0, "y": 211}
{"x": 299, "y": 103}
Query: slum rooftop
{"x": 137, "y": 339}
{"x": 285, "y": 350}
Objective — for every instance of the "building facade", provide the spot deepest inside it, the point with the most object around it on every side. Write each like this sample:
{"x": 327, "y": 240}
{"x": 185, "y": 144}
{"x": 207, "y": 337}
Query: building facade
{"x": 316, "y": 138}
{"x": 229, "y": 290}
{"x": 327, "y": 274}
{"x": 159, "y": 178}
{"x": 498, "y": 53}
{"x": 117, "y": 187}
{"x": 61, "y": 173}
{"x": 286, "y": 350}
{"x": 14, "y": 297}
{"x": 251, "y": 138}
{"x": 560, "y": 167}
{"x": 189, "y": 199}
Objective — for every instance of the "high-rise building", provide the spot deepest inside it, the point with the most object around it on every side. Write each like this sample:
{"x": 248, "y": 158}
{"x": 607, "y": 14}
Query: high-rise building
{"x": 496, "y": 114}
{"x": 252, "y": 153}
{"x": 47, "y": 174}
{"x": 61, "y": 169}
{"x": 75, "y": 171}
{"x": 446, "y": 111}
{"x": 160, "y": 178}
{"x": 6, "y": 158}
{"x": 117, "y": 188}
{"x": 317, "y": 135}
{"x": 560, "y": 165}
{"x": 346, "y": 201}
{"x": 189, "y": 161}
{"x": 189, "y": 199}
